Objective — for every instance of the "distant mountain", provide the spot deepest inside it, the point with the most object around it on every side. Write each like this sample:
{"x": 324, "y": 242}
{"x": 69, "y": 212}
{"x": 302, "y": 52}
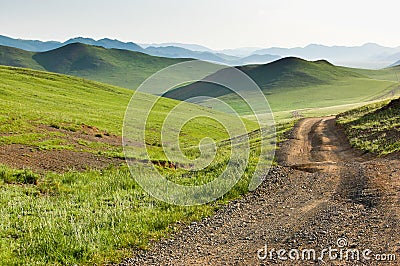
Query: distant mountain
{"x": 193, "y": 47}
{"x": 240, "y": 52}
{"x": 107, "y": 43}
{"x": 371, "y": 56}
{"x": 258, "y": 59}
{"x": 114, "y": 66}
{"x": 178, "y": 52}
{"x": 366, "y": 56}
{"x": 29, "y": 45}
{"x": 395, "y": 64}
{"x": 39, "y": 46}
{"x": 162, "y": 51}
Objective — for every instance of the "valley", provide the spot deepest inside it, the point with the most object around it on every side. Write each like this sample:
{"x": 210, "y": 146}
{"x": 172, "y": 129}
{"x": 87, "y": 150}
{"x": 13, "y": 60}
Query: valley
{"x": 70, "y": 198}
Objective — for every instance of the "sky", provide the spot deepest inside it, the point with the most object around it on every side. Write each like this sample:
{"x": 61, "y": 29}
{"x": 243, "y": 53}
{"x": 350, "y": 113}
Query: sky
{"x": 218, "y": 24}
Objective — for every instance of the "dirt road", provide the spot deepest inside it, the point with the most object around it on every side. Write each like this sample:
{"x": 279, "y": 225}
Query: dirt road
{"x": 324, "y": 195}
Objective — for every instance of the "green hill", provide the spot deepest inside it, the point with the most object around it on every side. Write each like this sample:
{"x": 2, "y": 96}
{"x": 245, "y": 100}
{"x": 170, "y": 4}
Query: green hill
{"x": 10, "y": 56}
{"x": 389, "y": 73}
{"x": 285, "y": 73}
{"x": 113, "y": 66}
{"x": 293, "y": 84}
{"x": 30, "y": 98}
{"x": 290, "y": 84}
{"x": 89, "y": 216}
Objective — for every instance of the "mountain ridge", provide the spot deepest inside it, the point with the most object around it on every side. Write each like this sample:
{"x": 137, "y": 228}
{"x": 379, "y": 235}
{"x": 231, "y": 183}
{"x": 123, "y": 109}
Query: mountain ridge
{"x": 369, "y": 55}
{"x": 169, "y": 51}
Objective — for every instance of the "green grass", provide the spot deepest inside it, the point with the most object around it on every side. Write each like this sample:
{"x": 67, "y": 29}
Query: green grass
{"x": 29, "y": 99}
{"x": 83, "y": 218}
{"x": 390, "y": 73}
{"x": 80, "y": 218}
{"x": 94, "y": 216}
{"x": 375, "y": 127}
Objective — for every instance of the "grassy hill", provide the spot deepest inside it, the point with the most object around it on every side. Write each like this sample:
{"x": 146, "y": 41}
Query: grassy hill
{"x": 286, "y": 73}
{"x": 390, "y": 73}
{"x": 374, "y": 128}
{"x": 292, "y": 85}
{"x": 92, "y": 216}
{"x": 10, "y": 56}
{"x": 113, "y": 66}
{"x": 295, "y": 84}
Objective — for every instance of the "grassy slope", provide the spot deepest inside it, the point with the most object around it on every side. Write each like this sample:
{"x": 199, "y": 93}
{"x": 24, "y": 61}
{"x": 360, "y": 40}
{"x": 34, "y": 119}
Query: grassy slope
{"x": 287, "y": 73}
{"x": 290, "y": 83}
{"x": 375, "y": 127}
{"x": 94, "y": 216}
{"x": 391, "y": 73}
{"x": 295, "y": 84}
{"x": 10, "y": 56}
{"x": 113, "y": 66}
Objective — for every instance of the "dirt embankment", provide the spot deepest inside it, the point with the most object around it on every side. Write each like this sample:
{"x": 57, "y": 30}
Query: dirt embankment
{"x": 324, "y": 194}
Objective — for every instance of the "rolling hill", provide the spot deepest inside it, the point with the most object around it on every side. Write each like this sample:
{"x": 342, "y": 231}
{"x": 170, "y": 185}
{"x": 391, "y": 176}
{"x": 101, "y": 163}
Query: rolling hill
{"x": 286, "y": 73}
{"x": 388, "y": 73}
{"x": 61, "y": 215}
{"x": 113, "y": 66}
{"x": 293, "y": 84}
{"x": 61, "y": 100}
{"x": 10, "y": 56}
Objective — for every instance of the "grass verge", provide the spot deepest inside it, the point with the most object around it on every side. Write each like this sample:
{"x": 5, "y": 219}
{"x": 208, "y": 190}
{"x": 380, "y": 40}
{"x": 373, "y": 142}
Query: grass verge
{"x": 375, "y": 127}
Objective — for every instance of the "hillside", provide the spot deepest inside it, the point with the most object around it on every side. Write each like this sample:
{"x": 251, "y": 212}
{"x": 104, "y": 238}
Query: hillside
{"x": 62, "y": 167}
{"x": 113, "y": 66}
{"x": 374, "y": 128}
{"x": 66, "y": 102}
{"x": 295, "y": 84}
{"x": 286, "y": 73}
{"x": 291, "y": 84}
{"x": 10, "y": 56}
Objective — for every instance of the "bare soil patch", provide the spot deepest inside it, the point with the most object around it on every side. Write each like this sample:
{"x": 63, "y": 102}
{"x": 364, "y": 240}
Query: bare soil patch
{"x": 21, "y": 157}
{"x": 80, "y": 158}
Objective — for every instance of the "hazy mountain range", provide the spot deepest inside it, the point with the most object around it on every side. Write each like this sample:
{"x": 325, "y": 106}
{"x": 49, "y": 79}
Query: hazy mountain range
{"x": 366, "y": 56}
{"x": 173, "y": 50}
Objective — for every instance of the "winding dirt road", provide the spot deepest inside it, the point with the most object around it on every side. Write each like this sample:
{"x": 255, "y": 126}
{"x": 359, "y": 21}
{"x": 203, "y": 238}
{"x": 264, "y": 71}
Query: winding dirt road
{"x": 323, "y": 195}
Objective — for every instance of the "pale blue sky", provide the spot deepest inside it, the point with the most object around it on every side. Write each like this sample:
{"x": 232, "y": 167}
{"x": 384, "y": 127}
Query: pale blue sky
{"x": 217, "y": 24}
